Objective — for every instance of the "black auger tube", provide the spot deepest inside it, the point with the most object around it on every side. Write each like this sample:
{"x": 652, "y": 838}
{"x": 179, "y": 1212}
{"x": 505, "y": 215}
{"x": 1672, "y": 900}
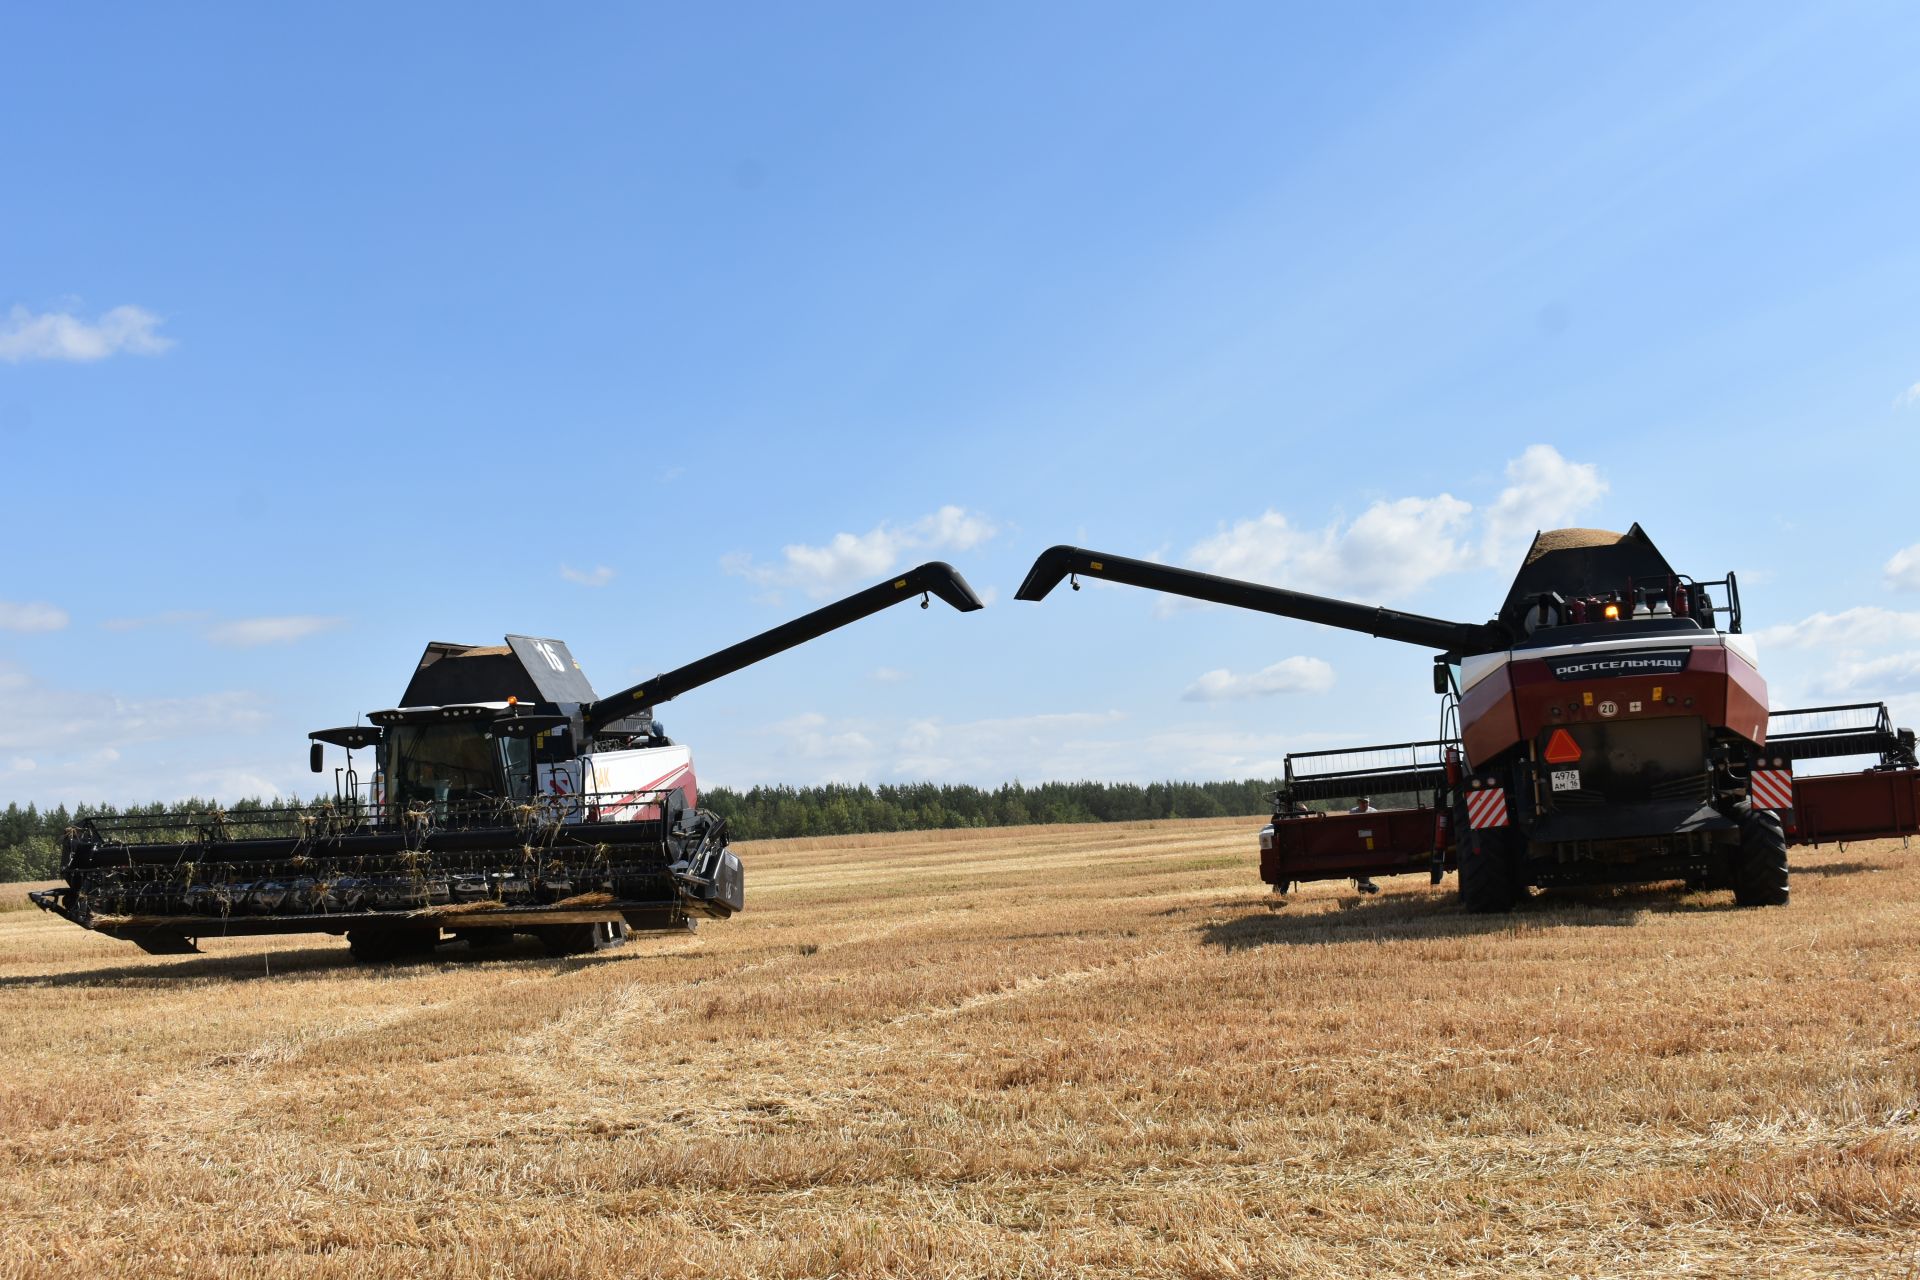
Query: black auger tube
{"x": 1454, "y": 638}
{"x": 936, "y": 577}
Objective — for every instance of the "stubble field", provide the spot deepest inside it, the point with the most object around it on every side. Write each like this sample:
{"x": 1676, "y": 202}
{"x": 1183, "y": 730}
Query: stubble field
{"x": 1062, "y": 1051}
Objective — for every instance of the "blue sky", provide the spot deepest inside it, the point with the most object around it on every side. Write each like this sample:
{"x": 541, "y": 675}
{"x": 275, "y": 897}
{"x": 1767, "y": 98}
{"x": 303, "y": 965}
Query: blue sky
{"x": 326, "y": 334}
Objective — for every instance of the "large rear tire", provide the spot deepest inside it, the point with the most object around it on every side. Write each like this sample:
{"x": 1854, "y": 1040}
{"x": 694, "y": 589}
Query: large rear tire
{"x": 1489, "y": 870}
{"x": 1760, "y": 878}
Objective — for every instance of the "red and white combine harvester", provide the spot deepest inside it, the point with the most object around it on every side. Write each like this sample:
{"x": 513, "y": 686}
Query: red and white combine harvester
{"x": 506, "y": 797}
{"x": 1613, "y": 727}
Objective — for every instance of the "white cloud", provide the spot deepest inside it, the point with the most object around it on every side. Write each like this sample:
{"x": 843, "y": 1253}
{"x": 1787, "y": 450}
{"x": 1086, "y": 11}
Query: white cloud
{"x": 59, "y": 335}
{"x": 42, "y": 719}
{"x": 1850, "y": 629}
{"x": 598, "y": 576}
{"x": 1398, "y": 546}
{"x": 1012, "y": 746}
{"x": 1875, "y": 678}
{"x": 31, "y": 617}
{"x": 1104, "y": 745}
{"x": 1910, "y": 396}
{"x": 246, "y": 633}
{"x": 850, "y": 558}
{"x": 1393, "y": 548}
{"x": 1289, "y": 675}
{"x": 1858, "y": 655}
{"x": 887, "y": 675}
{"x": 1903, "y": 570}
{"x": 70, "y": 746}
{"x": 823, "y": 744}
{"x": 241, "y": 782}
{"x": 1544, "y": 491}
{"x": 953, "y": 528}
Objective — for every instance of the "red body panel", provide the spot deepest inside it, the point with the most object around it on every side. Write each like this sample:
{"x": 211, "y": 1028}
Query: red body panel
{"x": 1854, "y": 806}
{"x": 1487, "y": 722}
{"x": 1517, "y": 702}
{"x": 1344, "y": 846}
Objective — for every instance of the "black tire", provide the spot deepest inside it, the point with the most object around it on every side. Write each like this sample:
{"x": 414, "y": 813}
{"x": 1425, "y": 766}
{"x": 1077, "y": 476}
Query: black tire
{"x": 570, "y": 939}
{"x": 1760, "y": 876}
{"x": 1489, "y": 870}
{"x": 384, "y": 944}
{"x": 581, "y": 939}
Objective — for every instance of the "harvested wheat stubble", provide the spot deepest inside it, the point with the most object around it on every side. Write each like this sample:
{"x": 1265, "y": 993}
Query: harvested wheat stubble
{"x": 1056, "y": 1051}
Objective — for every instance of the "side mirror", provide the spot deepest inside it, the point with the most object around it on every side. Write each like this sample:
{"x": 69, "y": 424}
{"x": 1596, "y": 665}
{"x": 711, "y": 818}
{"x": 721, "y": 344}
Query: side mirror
{"x": 316, "y": 757}
{"x": 1441, "y": 685}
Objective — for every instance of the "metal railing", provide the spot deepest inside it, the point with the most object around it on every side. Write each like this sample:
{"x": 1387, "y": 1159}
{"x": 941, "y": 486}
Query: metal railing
{"x": 1393, "y": 769}
{"x": 354, "y": 816}
{"x": 1846, "y": 729}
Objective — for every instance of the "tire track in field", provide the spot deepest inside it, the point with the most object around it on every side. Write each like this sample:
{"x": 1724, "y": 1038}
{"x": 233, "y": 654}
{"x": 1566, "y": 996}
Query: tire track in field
{"x": 192, "y": 1113}
{"x": 1024, "y": 986}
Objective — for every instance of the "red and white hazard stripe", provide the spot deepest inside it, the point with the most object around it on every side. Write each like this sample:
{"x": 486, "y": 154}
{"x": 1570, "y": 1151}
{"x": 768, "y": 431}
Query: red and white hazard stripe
{"x": 1772, "y": 788}
{"x": 1486, "y": 808}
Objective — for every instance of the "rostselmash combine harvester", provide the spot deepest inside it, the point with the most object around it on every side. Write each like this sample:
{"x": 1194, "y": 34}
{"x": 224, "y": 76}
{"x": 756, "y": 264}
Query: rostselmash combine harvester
{"x": 1612, "y": 727}
{"x": 505, "y": 797}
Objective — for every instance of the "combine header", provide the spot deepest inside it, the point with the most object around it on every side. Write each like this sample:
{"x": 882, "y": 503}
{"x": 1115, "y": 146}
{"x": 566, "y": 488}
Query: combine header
{"x": 505, "y": 797}
{"x": 1612, "y": 728}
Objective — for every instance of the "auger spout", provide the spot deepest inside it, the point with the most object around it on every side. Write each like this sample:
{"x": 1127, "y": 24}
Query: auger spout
{"x": 936, "y": 578}
{"x": 1453, "y": 638}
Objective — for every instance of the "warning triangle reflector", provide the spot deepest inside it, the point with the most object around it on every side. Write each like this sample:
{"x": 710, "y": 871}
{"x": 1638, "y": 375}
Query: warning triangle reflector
{"x": 1561, "y": 748}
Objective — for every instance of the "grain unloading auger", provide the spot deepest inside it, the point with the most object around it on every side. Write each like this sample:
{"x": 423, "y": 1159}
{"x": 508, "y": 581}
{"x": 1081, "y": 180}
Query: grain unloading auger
{"x": 505, "y": 797}
{"x": 1613, "y": 728}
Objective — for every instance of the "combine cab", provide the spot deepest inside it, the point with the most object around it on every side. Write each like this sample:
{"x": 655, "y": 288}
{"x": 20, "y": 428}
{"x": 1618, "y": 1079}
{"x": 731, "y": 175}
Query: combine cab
{"x": 1613, "y": 729}
{"x": 504, "y": 797}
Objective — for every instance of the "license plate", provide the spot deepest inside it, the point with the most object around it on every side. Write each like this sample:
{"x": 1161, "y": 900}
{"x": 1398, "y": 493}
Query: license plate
{"x": 1566, "y": 779}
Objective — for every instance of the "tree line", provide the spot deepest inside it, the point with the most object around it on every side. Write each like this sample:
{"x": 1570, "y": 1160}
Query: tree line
{"x": 30, "y": 836}
{"x": 770, "y": 813}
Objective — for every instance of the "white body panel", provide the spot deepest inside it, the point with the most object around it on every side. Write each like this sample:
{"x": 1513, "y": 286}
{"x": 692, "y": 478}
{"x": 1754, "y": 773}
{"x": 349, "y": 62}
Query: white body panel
{"x": 619, "y": 780}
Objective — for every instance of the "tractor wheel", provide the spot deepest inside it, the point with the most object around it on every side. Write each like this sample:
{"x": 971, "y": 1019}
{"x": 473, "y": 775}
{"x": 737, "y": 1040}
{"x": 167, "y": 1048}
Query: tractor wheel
{"x": 1760, "y": 877}
{"x": 1489, "y": 870}
{"x": 385, "y": 944}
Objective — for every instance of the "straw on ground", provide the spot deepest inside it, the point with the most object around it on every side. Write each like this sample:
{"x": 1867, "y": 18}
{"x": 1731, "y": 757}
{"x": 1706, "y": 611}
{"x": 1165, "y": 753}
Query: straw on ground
{"x": 1036, "y": 1052}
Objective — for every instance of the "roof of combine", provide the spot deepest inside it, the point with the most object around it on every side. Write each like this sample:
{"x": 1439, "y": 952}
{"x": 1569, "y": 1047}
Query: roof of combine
{"x": 529, "y": 669}
{"x": 1582, "y": 562}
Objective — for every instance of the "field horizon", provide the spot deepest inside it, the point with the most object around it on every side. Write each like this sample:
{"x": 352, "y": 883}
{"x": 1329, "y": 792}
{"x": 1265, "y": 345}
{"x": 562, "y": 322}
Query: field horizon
{"x": 1101, "y": 1049}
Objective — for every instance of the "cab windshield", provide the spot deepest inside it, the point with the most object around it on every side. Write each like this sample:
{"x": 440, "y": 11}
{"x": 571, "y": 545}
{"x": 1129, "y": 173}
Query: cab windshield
{"x": 442, "y": 764}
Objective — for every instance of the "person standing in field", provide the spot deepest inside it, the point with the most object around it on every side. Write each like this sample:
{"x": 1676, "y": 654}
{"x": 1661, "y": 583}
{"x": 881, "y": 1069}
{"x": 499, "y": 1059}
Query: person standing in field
{"x": 1363, "y": 883}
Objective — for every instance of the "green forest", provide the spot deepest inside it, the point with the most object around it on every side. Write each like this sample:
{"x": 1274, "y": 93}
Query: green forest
{"x": 30, "y": 837}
